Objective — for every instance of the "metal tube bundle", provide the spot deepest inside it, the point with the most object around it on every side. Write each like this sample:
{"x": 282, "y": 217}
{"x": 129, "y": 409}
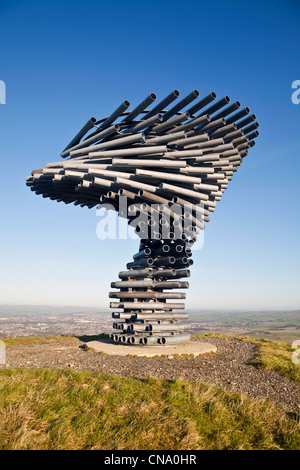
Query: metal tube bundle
{"x": 148, "y": 317}
{"x": 164, "y": 170}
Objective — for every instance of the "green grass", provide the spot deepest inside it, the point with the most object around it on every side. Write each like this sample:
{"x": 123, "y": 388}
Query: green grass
{"x": 276, "y": 356}
{"x": 59, "y": 409}
{"x": 32, "y": 339}
{"x": 64, "y": 409}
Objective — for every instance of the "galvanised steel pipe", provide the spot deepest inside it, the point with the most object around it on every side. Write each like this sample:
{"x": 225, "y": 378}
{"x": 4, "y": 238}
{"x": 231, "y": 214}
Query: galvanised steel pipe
{"x": 176, "y": 249}
{"x": 162, "y": 104}
{"x": 165, "y": 273}
{"x": 162, "y": 163}
{"x": 161, "y": 316}
{"x": 250, "y": 128}
{"x": 192, "y": 123}
{"x": 133, "y": 284}
{"x": 145, "y": 252}
{"x": 170, "y": 123}
{"x": 137, "y": 273}
{"x": 211, "y": 125}
{"x": 235, "y": 117}
{"x": 106, "y": 132}
{"x": 120, "y": 110}
{"x": 144, "y": 124}
{"x": 206, "y": 146}
{"x": 240, "y": 140}
{"x": 233, "y": 135}
{"x": 111, "y": 143}
{"x": 124, "y": 316}
{"x": 146, "y": 295}
{"x": 143, "y": 105}
{"x": 190, "y": 140}
{"x": 196, "y": 209}
{"x": 147, "y": 305}
{"x": 218, "y": 149}
{"x": 99, "y": 135}
{"x": 134, "y": 184}
{"x": 88, "y": 125}
{"x": 135, "y": 151}
{"x": 187, "y": 192}
{"x": 253, "y": 135}
{"x": 170, "y": 327}
{"x": 180, "y": 273}
{"x": 166, "y": 138}
{"x": 162, "y": 250}
{"x": 184, "y": 102}
{"x": 152, "y": 197}
{"x": 149, "y": 340}
{"x": 170, "y": 285}
{"x": 223, "y": 131}
{"x": 168, "y": 176}
{"x": 167, "y": 340}
{"x": 227, "y": 110}
{"x": 216, "y": 106}
{"x": 189, "y": 154}
{"x": 133, "y": 327}
{"x": 164, "y": 261}
{"x": 128, "y": 194}
{"x": 140, "y": 262}
{"x": 108, "y": 173}
{"x": 245, "y": 121}
{"x": 203, "y": 102}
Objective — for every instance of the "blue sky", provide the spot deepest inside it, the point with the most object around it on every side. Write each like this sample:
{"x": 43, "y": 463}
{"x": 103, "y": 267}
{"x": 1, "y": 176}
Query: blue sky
{"x": 64, "y": 61}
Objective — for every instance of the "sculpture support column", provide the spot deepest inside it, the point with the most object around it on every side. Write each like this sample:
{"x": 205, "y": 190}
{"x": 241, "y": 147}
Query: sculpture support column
{"x": 146, "y": 295}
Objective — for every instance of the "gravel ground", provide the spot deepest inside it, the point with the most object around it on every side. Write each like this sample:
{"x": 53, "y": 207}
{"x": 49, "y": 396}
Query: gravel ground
{"x": 229, "y": 368}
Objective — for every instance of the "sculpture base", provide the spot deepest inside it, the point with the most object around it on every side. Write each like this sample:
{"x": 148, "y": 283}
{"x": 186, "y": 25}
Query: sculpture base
{"x": 195, "y": 348}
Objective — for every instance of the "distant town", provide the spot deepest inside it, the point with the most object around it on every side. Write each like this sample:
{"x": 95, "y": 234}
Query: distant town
{"x": 72, "y": 324}
{"x": 33, "y": 321}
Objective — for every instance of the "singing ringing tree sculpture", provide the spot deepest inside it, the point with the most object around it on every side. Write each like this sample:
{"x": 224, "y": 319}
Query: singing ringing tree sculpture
{"x": 164, "y": 169}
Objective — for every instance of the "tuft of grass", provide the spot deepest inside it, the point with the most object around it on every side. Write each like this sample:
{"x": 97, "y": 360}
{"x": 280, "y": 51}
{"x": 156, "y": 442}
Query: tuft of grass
{"x": 276, "y": 356}
{"x": 33, "y": 339}
{"x": 65, "y": 409}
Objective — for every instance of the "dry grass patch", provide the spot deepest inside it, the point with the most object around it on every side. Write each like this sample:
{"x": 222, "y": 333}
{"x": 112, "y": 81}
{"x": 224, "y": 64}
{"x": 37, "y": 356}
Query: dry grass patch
{"x": 56, "y": 409}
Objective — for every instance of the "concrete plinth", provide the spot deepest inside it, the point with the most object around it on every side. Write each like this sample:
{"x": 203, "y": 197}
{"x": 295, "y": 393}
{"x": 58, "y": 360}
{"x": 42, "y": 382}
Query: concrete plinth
{"x": 194, "y": 348}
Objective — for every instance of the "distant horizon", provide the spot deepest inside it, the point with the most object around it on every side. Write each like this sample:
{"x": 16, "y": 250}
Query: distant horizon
{"x": 91, "y": 308}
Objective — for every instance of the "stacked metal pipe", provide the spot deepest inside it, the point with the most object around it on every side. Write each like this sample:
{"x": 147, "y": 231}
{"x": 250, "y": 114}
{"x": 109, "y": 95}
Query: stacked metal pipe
{"x": 163, "y": 167}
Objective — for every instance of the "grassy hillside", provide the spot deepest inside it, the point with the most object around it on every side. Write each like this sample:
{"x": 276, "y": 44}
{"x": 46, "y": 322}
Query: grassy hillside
{"x": 276, "y": 356}
{"x": 280, "y": 326}
{"x": 60, "y": 409}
